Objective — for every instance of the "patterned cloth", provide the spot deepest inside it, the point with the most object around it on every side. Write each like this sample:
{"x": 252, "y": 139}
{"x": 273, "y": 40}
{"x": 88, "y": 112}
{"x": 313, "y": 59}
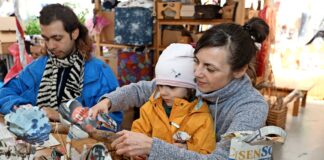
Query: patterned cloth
{"x": 133, "y": 26}
{"x": 29, "y": 123}
{"x": 48, "y": 93}
{"x": 134, "y": 66}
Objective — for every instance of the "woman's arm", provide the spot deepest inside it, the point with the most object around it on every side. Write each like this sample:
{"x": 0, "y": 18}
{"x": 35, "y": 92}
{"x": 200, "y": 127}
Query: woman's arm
{"x": 132, "y": 95}
{"x": 163, "y": 150}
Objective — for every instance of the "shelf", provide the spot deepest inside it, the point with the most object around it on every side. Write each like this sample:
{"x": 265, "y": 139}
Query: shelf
{"x": 113, "y": 45}
{"x": 120, "y": 46}
{"x": 188, "y": 21}
{"x": 192, "y": 21}
{"x": 161, "y": 48}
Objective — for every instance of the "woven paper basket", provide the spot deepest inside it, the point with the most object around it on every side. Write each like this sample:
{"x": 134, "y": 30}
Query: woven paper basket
{"x": 277, "y": 117}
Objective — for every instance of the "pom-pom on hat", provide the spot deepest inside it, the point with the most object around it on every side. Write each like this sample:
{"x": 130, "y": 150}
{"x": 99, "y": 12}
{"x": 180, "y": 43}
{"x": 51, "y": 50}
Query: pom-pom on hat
{"x": 175, "y": 66}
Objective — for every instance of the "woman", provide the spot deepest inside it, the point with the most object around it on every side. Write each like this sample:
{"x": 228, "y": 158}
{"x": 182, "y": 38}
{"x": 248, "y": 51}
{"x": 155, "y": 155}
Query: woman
{"x": 222, "y": 58}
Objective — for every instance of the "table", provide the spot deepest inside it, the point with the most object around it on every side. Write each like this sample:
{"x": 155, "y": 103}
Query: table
{"x": 287, "y": 80}
{"x": 76, "y": 144}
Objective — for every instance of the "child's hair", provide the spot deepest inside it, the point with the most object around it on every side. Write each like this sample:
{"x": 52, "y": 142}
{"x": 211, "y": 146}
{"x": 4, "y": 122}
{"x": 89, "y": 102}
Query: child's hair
{"x": 175, "y": 66}
{"x": 191, "y": 94}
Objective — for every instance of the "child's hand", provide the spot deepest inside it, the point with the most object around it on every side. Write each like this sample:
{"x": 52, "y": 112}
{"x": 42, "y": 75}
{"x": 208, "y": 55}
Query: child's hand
{"x": 181, "y": 145}
{"x": 101, "y": 107}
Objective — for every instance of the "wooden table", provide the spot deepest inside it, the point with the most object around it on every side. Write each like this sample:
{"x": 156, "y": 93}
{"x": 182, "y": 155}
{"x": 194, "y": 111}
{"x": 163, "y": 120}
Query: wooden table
{"x": 76, "y": 144}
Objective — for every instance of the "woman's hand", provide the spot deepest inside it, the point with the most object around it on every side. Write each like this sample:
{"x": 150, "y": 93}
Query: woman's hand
{"x": 132, "y": 144}
{"x": 52, "y": 114}
{"x": 101, "y": 107}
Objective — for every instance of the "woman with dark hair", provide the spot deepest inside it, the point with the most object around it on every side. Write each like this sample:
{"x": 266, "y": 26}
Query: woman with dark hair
{"x": 222, "y": 58}
{"x": 67, "y": 70}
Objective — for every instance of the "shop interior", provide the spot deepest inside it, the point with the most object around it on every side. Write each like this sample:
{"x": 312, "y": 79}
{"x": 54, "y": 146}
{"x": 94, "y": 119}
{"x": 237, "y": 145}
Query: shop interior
{"x": 290, "y": 68}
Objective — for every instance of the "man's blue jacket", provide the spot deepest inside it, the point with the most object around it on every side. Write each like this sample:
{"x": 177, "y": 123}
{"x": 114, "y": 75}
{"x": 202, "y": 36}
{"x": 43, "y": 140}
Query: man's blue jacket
{"x": 98, "y": 80}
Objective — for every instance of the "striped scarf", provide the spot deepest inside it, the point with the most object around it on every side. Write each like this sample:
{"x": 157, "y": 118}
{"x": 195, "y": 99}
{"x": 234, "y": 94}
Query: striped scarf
{"x": 48, "y": 93}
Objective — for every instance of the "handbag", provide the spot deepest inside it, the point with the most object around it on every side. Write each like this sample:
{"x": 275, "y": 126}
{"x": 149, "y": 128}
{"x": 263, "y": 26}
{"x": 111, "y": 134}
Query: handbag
{"x": 207, "y": 12}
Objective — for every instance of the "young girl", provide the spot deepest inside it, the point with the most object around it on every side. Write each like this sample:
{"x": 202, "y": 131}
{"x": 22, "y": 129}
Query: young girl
{"x": 173, "y": 114}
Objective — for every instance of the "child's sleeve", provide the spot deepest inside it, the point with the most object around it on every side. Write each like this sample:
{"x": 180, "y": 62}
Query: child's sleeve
{"x": 143, "y": 124}
{"x": 204, "y": 139}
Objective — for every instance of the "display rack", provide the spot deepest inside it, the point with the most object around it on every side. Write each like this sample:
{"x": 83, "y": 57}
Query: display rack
{"x": 157, "y": 38}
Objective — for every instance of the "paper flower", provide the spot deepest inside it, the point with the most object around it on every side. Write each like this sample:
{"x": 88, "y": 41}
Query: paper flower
{"x": 30, "y": 124}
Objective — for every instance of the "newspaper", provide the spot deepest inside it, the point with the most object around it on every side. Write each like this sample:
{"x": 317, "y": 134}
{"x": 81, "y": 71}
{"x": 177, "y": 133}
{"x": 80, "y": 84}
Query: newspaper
{"x": 6, "y": 135}
{"x": 49, "y": 143}
{"x": 255, "y": 145}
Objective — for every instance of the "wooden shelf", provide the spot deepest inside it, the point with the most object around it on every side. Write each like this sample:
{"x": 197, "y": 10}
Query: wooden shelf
{"x": 113, "y": 45}
{"x": 121, "y": 46}
{"x": 157, "y": 46}
{"x": 158, "y": 39}
{"x": 192, "y": 21}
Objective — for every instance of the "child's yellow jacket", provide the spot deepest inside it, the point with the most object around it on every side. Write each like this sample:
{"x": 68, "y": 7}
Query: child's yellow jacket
{"x": 193, "y": 118}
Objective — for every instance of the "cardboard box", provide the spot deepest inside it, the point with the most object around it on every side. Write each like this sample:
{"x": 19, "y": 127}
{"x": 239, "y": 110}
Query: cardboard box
{"x": 196, "y": 36}
{"x": 7, "y": 29}
{"x": 7, "y": 24}
{"x": 228, "y": 11}
{"x": 170, "y": 36}
{"x": 108, "y": 33}
{"x": 4, "y": 47}
{"x": 184, "y": 39}
{"x": 7, "y": 36}
{"x": 187, "y": 11}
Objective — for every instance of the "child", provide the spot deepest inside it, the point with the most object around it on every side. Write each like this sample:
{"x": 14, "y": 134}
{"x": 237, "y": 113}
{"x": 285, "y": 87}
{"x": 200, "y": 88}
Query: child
{"x": 172, "y": 113}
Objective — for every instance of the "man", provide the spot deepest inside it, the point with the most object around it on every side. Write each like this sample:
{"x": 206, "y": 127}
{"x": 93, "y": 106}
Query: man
{"x": 66, "y": 72}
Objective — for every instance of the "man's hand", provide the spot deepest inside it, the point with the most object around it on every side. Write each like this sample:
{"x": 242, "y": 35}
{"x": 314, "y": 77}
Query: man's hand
{"x": 101, "y": 107}
{"x": 52, "y": 114}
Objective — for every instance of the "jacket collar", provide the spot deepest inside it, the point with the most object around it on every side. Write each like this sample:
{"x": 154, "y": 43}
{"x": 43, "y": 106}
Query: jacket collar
{"x": 228, "y": 91}
{"x": 195, "y": 106}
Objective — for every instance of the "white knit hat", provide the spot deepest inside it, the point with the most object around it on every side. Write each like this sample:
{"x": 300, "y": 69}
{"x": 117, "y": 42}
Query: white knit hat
{"x": 175, "y": 66}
